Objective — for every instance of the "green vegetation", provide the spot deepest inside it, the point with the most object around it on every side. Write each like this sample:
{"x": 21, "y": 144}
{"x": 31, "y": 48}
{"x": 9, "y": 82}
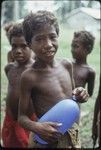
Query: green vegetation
{"x": 65, "y": 39}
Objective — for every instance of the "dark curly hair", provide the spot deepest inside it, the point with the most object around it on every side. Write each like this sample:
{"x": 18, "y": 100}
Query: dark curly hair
{"x": 35, "y": 21}
{"x": 15, "y": 30}
{"x": 7, "y": 28}
{"x": 86, "y": 38}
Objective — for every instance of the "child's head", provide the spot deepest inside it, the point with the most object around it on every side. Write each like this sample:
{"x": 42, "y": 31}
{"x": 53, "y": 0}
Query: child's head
{"x": 16, "y": 30}
{"x": 84, "y": 38}
{"x": 41, "y": 31}
{"x": 36, "y": 21}
{"x": 20, "y": 49}
{"x": 82, "y": 44}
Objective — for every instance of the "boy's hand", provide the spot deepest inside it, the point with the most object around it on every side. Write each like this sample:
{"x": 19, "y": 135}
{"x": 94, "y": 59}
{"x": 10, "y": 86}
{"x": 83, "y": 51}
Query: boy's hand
{"x": 81, "y": 94}
{"x": 48, "y": 131}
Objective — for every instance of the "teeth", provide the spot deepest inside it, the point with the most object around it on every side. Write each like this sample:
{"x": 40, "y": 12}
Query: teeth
{"x": 50, "y": 53}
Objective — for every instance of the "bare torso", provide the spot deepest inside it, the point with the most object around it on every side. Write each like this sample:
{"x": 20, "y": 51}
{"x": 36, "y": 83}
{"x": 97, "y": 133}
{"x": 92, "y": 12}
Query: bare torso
{"x": 80, "y": 74}
{"x": 48, "y": 86}
{"x": 83, "y": 74}
{"x": 13, "y": 74}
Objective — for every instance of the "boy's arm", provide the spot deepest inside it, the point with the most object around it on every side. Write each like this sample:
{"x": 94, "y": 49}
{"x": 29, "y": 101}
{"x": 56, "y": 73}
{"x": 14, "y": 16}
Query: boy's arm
{"x": 7, "y": 68}
{"x": 69, "y": 67}
{"x": 91, "y": 81}
{"x": 24, "y": 100}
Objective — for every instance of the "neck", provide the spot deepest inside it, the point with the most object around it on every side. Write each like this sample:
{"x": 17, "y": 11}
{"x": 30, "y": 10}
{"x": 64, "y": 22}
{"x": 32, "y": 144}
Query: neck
{"x": 43, "y": 64}
{"x": 80, "y": 61}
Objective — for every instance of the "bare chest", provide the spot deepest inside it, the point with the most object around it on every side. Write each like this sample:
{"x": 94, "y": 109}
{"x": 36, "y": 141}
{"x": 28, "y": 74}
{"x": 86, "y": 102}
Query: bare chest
{"x": 54, "y": 83}
{"x": 51, "y": 86}
{"x": 80, "y": 75}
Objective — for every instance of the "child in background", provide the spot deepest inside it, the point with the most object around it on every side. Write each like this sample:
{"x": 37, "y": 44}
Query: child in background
{"x": 47, "y": 82}
{"x": 10, "y": 57}
{"x": 13, "y": 135}
{"x": 81, "y": 47}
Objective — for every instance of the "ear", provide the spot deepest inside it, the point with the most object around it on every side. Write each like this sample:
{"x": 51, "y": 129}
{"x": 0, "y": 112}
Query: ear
{"x": 86, "y": 51}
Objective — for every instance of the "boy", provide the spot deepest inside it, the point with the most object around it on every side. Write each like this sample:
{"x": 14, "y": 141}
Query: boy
{"x": 13, "y": 135}
{"x": 47, "y": 82}
{"x": 82, "y": 45}
{"x": 10, "y": 57}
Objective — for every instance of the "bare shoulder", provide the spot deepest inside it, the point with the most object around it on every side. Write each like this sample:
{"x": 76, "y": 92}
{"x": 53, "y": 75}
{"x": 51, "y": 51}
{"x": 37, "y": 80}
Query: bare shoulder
{"x": 91, "y": 70}
{"x": 27, "y": 73}
{"x": 28, "y": 77}
{"x": 66, "y": 63}
{"x": 9, "y": 66}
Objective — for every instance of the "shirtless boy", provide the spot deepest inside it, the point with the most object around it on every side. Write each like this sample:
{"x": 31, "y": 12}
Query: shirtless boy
{"x": 81, "y": 47}
{"x": 13, "y": 135}
{"x": 47, "y": 82}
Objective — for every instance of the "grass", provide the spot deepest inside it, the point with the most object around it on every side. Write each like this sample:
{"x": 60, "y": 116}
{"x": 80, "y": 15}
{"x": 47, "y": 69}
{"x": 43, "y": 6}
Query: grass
{"x": 64, "y": 50}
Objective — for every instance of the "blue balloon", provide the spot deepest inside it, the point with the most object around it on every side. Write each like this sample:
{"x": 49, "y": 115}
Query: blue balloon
{"x": 65, "y": 112}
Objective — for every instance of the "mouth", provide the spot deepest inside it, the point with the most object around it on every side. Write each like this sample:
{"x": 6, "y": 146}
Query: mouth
{"x": 19, "y": 58}
{"x": 49, "y": 53}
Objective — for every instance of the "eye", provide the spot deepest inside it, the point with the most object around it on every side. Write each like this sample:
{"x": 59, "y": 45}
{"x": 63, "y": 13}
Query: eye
{"x": 23, "y": 46}
{"x": 38, "y": 39}
{"x": 53, "y": 37}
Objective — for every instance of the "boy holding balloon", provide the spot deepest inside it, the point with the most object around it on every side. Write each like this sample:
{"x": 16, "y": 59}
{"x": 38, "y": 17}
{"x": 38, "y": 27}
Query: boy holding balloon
{"x": 48, "y": 82}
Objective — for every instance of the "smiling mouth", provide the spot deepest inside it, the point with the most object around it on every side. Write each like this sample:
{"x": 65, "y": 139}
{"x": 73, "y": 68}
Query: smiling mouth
{"x": 49, "y": 53}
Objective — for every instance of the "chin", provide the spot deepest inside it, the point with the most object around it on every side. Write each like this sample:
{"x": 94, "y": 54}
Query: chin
{"x": 21, "y": 61}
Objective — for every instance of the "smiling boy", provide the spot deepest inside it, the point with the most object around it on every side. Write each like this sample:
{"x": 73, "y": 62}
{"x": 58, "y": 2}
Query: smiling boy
{"x": 47, "y": 82}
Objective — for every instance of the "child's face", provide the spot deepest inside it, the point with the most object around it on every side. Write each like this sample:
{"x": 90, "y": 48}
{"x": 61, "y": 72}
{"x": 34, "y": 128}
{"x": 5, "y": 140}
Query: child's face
{"x": 44, "y": 43}
{"x": 77, "y": 49}
{"x": 20, "y": 49}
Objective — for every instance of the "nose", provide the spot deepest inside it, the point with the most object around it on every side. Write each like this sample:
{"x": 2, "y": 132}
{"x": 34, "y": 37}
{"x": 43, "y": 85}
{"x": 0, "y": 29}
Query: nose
{"x": 18, "y": 50}
{"x": 48, "y": 44}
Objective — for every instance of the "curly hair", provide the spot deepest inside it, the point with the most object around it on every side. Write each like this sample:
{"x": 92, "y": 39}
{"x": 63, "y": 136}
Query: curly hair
{"x": 35, "y": 21}
{"x": 15, "y": 30}
{"x": 7, "y": 28}
{"x": 86, "y": 38}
